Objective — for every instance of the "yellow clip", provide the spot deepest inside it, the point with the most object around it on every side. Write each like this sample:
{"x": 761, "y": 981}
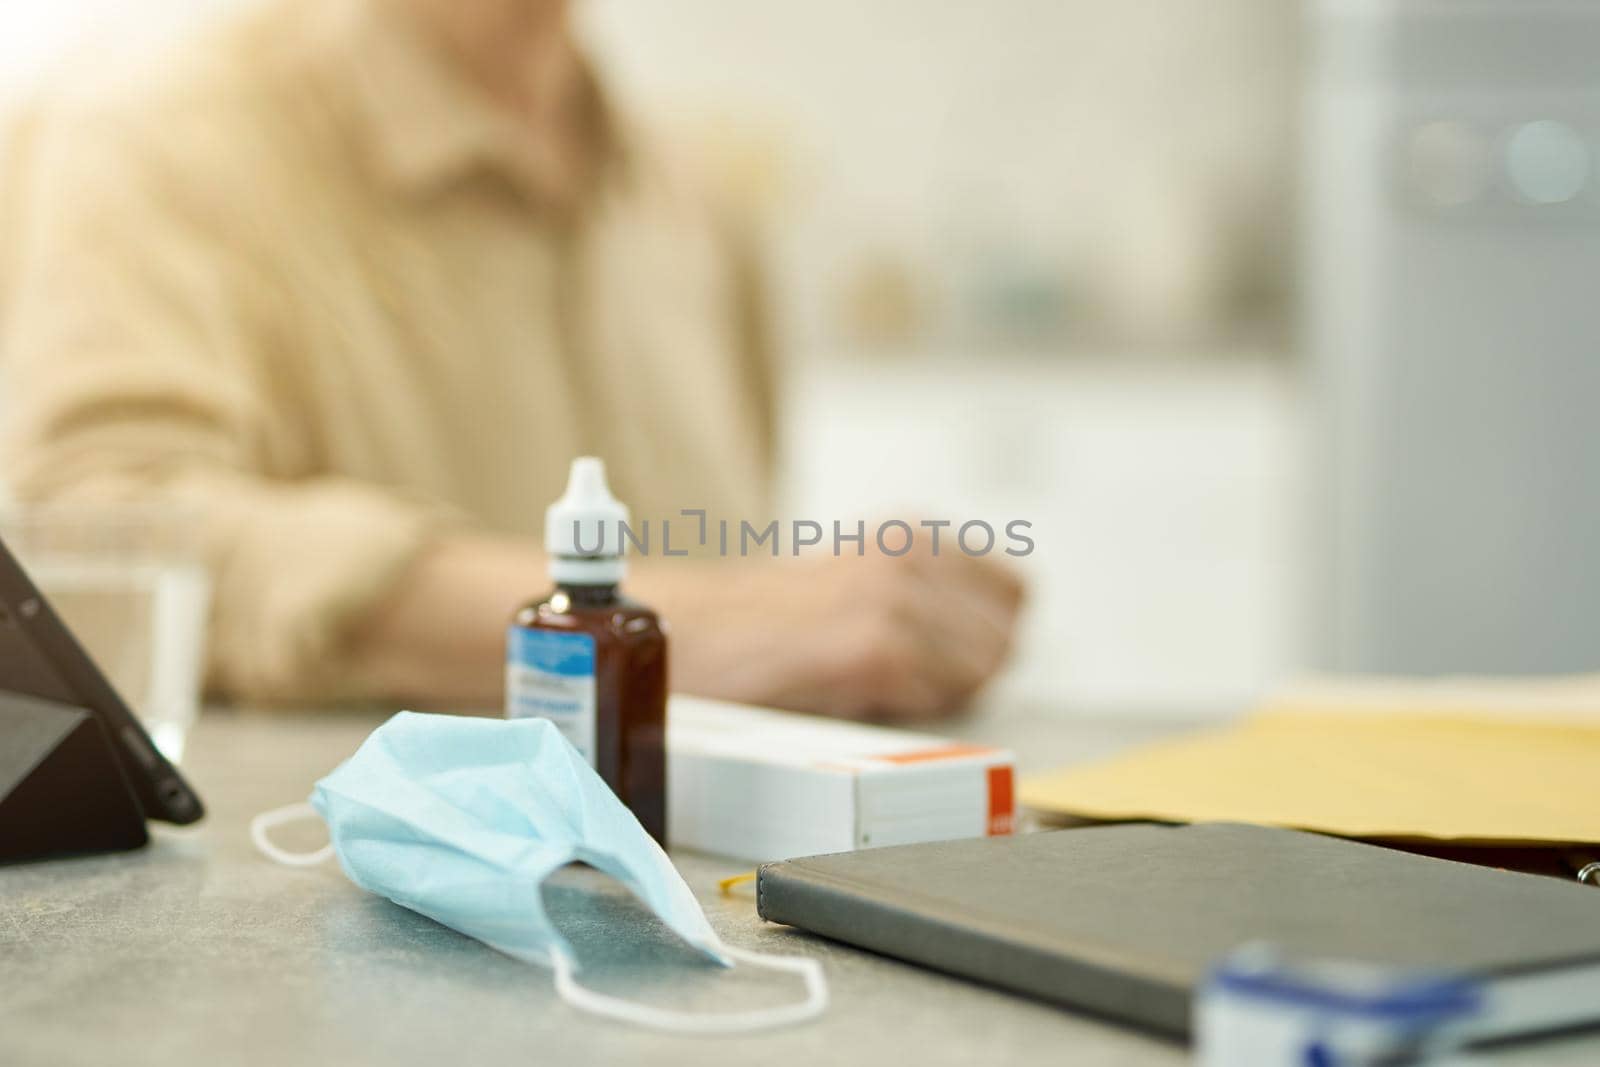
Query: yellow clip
{"x": 728, "y": 885}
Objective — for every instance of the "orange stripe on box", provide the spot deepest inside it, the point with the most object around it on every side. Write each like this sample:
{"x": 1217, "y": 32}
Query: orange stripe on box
{"x": 923, "y": 755}
{"x": 1002, "y": 801}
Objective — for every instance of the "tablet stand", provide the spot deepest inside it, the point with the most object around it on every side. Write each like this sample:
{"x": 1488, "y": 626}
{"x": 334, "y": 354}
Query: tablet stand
{"x": 62, "y": 791}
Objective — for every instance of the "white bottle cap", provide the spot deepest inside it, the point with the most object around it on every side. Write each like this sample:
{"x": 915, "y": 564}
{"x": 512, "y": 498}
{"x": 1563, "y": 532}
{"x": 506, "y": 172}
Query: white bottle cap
{"x": 583, "y": 530}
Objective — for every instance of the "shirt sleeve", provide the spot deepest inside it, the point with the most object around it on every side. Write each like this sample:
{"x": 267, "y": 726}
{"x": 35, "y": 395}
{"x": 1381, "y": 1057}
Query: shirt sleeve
{"x": 137, "y": 350}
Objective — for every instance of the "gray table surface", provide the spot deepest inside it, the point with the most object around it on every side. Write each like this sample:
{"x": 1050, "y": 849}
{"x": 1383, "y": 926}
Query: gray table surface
{"x": 198, "y": 951}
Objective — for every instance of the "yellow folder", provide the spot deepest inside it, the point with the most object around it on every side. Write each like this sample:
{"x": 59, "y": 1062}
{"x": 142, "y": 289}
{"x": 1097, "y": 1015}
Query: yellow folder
{"x": 1465, "y": 762}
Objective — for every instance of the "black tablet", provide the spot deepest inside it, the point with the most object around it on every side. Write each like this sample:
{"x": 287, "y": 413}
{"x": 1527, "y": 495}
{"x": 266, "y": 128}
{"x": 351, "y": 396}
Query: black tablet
{"x": 69, "y": 746}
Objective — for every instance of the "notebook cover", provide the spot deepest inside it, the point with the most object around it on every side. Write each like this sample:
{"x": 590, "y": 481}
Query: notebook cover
{"x": 1124, "y": 921}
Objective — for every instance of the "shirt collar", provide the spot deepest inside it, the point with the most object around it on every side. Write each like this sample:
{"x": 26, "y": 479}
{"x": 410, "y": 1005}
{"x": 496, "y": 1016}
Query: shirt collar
{"x": 423, "y": 124}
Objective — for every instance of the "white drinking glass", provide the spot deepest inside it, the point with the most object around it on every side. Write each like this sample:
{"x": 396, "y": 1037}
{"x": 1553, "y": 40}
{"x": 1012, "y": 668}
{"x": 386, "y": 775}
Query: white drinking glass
{"x": 130, "y": 584}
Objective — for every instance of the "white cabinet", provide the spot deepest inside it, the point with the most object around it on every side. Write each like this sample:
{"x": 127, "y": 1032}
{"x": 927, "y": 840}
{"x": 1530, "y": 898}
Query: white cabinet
{"x": 1163, "y": 498}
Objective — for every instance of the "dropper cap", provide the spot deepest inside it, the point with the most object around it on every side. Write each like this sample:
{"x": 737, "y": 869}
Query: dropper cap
{"x": 583, "y": 529}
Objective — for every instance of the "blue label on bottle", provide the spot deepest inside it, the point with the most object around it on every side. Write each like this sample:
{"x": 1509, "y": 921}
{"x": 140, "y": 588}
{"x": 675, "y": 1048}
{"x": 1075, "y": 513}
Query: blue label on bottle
{"x": 550, "y": 675}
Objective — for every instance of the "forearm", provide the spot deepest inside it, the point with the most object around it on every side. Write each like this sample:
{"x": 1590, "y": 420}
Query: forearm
{"x": 438, "y": 638}
{"x": 883, "y": 637}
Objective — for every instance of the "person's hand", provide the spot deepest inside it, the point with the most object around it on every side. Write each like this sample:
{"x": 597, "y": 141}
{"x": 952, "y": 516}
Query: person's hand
{"x": 860, "y": 637}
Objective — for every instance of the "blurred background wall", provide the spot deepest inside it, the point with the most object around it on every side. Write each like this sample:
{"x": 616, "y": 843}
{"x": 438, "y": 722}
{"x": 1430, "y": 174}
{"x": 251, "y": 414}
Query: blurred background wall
{"x": 1031, "y": 170}
{"x": 1034, "y": 260}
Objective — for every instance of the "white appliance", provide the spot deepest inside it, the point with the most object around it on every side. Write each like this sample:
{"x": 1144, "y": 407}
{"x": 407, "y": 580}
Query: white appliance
{"x": 1453, "y": 317}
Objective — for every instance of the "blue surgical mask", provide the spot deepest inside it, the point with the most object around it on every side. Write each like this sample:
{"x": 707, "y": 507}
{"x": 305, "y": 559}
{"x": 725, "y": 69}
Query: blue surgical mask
{"x": 463, "y": 819}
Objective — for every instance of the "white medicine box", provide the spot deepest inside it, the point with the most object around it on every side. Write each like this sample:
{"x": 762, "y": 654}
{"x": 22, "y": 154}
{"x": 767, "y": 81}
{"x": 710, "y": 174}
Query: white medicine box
{"x": 764, "y": 785}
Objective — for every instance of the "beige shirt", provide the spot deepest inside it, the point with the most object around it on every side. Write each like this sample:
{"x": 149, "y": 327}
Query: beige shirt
{"x": 301, "y": 277}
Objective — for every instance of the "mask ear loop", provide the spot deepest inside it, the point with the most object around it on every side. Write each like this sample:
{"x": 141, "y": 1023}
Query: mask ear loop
{"x": 685, "y": 1022}
{"x": 585, "y": 999}
{"x": 267, "y": 820}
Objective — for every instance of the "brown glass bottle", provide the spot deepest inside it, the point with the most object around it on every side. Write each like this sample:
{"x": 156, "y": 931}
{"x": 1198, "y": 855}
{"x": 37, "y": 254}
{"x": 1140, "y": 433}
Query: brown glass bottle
{"x": 630, "y": 690}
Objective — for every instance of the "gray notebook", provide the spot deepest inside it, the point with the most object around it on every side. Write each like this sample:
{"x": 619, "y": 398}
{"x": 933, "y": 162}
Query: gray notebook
{"x": 1125, "y": 920}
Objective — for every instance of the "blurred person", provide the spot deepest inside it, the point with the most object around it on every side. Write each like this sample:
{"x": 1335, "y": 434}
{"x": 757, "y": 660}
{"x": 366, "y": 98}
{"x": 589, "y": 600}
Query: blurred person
{"x": 352, "y": 281}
